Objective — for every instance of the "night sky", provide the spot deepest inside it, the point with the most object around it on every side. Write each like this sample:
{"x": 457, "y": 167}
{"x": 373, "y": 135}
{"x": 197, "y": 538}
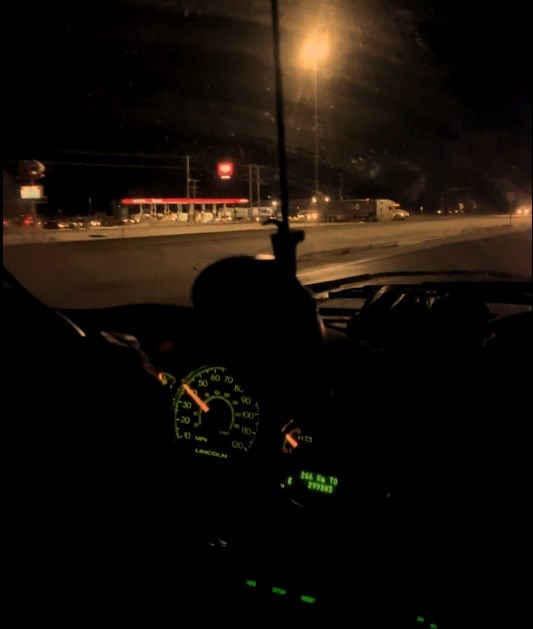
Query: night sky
{"x": 414, "y": 97}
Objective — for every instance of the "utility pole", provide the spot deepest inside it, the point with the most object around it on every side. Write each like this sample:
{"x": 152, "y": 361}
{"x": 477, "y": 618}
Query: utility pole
{"x": 341, "y": 177}
{"x": 258, "y": 184}
{"x": 315, "y": 73}
{"x": 250, "y": 185}
{"x": 194, "y": 189}
{"x": 187, "y": 176}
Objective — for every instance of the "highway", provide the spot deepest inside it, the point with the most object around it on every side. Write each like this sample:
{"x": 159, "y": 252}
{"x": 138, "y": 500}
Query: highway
{"x": 110, "y": 271}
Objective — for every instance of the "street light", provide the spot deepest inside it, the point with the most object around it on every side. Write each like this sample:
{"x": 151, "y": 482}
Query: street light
{"x": 315, "y": 50}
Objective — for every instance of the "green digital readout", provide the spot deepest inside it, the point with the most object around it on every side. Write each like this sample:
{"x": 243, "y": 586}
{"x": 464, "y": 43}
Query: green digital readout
{"x": 319, "y": 483}
{"x": 311, "y": 482}
{"x": 283, "y": 592}
{"x": 311, "y": 600}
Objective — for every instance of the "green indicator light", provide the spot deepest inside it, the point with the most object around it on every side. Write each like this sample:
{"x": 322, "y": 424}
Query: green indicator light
{"x": 289, "y": 480}
{"x": 307, "y": 599}
{"x": 433, "y": 625}
{"x": 251, "y": 583}
{"x": 420, "y": 619}
{"x": 279, "y": 591}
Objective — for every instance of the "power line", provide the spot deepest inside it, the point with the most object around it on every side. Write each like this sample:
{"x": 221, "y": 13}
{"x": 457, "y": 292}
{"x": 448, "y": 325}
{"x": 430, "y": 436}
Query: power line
{"x": 104, "y": 165}
{"x": 120, "y": 154}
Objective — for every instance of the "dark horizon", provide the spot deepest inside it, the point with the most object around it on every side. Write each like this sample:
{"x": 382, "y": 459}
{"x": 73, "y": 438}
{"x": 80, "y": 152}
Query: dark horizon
{"x": 413, "y": 99}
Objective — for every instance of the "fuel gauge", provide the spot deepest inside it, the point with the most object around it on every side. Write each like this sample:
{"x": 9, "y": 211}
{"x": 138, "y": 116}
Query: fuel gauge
{"x": 294, "y": 437}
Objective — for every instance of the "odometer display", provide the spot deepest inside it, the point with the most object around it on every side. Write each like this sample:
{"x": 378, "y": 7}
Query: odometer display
{"x": 214, "y": 414}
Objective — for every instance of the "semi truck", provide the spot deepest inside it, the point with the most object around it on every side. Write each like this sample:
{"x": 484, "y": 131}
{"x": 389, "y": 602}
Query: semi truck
{"x": 326, "y": 210}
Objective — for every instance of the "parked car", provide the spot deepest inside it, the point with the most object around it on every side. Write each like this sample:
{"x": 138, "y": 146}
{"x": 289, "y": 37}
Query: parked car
{"x": 112, "y": 221}
{"x": 55, "y": 223}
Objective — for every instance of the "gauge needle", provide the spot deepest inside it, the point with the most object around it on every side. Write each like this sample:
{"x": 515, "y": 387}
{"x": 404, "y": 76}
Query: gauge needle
{"x": 292, "y": 441}
{"x": 195, "y": 397}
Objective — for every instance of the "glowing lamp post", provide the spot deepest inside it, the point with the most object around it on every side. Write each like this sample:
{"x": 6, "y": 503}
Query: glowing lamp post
{"x": 314, "y": 51}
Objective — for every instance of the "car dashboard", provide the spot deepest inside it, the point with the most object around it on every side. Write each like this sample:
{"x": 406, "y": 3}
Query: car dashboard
{"x": 343, "y": 484}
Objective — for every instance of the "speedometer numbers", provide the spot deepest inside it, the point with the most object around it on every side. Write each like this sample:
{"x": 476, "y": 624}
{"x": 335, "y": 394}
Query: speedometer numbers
{"x": 215, "y": 414}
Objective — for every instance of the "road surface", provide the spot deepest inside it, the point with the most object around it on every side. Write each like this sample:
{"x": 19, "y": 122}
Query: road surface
{"x": 105, "y": 272}
{"x": 508, "y": 253}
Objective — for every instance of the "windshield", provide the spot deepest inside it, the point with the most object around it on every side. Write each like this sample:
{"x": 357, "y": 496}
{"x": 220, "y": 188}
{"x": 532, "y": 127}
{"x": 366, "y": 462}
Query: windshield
{"x": 141, "y": 141}
{"x": 267, "y": 275}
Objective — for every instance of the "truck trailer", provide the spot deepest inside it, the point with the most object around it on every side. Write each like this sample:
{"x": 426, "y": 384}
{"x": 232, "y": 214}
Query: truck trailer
{"x": 326, "y": 210}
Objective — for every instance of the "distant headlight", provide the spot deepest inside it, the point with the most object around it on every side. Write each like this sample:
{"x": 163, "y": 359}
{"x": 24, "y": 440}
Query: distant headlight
{"x": 401, "y": 214}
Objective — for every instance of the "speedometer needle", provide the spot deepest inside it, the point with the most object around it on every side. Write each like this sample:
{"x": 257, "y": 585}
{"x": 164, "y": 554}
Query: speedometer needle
{"x": 195, "y": 397}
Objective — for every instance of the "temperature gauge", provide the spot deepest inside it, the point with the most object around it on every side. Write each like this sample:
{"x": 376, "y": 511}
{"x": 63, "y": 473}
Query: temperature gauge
{"x": 294, "y": 437}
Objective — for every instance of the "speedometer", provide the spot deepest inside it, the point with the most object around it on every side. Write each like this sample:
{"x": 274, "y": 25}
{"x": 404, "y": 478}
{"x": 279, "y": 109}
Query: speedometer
{"x": 214, "y": 413}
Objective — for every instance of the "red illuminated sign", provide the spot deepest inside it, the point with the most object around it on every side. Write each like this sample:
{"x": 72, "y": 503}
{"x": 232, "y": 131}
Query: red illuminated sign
{"x": 225, "y": 170}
